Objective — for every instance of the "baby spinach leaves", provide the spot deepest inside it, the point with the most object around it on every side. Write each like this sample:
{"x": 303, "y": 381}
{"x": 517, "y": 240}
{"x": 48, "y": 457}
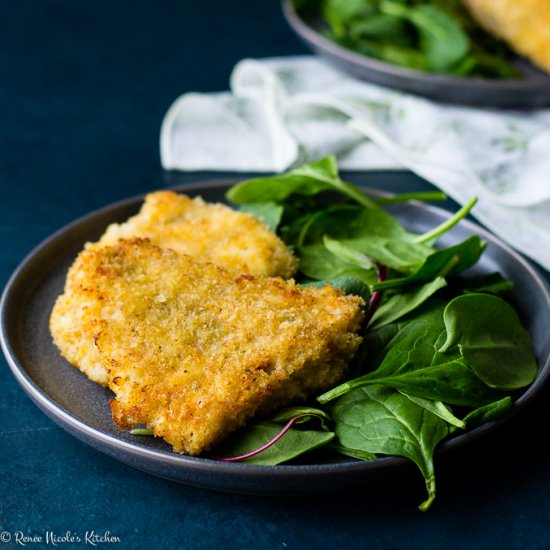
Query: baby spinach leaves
{"x": 348, "y": 254}
{"x": 494, "y": 283}
{"x": 440, "y": 36}
{"x": 435, "y": 345}
{"x": 269, "y": 213}
{"x": 309, "y": 179}
{"x": 380, "y": 420}
{"x": 489, "y": 412}
{"x": 259, "y": 433}
{"x": 357, "y": 237}
{"x": 439, "y": 409}
{"x": 491, "y": 339}
{"x": 303, "y": 415}
{"x": 441, "y": 263}
{"x": 398, "y": 305}
{"x": 407, "y": 359}
{"x": 459, "y": 355}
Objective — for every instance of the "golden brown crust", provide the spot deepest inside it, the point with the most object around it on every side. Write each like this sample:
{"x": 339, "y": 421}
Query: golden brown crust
{"x": 193, "y": 350}
{"x": 523, "y": 24}
{"x": 209, "y": 232}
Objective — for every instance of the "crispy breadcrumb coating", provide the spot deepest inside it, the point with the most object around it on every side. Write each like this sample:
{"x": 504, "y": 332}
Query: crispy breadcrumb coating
{"x": 210, "y": 232}
{"x": 523, "y": 24}
{"x": 193, "y": 350}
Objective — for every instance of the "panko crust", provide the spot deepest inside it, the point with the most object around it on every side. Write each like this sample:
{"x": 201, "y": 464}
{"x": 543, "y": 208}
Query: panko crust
{"x": 193, "y": 350}
{"x": 524, "y": 25}
{"x": 209, "y": 232}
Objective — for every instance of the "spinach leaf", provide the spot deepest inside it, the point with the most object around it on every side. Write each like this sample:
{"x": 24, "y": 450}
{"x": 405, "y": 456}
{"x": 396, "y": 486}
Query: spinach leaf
{"x": 306, "y": 413}
{"x": 484, "y": 62}
{"x": 347, "y": 254}
{"x": 349, "y": 221}
{"x": 380, "y": 237}
{"x": 357, "y": 364}
{"x": 428, "y": 318}
{"x": 401, "y": 255}
{"x": 397, "y": 55}
{"x": 489, "y": 412}
{"x": 267, "y": 212}
{"x": 379, "y": 420}
{"x": 442, "y": 263}
{"x": 452, "y": 382}
{"x": 399, "y": 305}
{"x": 491, "y": 339}
{"x": 439, "y": 409}
{"x": 318, "y": 263}
{"x": 347, "y": 451}
{"x": 292, "y": 444}
{"x": 421, "y": 355}
{"x": 380, "y": 26}
{"x": 437, "y": 36}
{"x": 372, "y": 233}
{"x": 408, "y": 360}
{"x": 309, "y": 179}
{"x": 339, "y": 13}
{"x": 494, "y": 283}
{"x": 441, "y": 38}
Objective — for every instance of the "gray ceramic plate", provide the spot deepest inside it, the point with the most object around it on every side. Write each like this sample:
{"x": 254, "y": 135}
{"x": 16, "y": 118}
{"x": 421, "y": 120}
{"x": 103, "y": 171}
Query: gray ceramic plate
{"x": 80, "y": 406}
{"x": 531, "y": 91}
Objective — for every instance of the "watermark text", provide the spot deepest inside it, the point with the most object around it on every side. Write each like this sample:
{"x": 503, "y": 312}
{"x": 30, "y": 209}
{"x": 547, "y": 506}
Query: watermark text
{"x": 51, "y": 538}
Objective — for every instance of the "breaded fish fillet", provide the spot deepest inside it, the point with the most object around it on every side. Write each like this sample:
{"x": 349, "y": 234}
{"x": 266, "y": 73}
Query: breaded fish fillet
{"x": 524, "y": 24}
{"x": 193, "y": 350}
{"x": 210, "y": 232}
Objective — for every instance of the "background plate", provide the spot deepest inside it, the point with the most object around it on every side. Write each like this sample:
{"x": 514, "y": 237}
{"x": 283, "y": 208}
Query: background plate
{"x": 80, "y": 406}
{"x": 533, "y": 90}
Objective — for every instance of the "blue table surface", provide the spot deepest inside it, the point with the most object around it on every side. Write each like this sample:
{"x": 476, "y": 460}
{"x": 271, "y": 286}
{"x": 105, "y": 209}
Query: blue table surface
{"x": 83, "y": 89}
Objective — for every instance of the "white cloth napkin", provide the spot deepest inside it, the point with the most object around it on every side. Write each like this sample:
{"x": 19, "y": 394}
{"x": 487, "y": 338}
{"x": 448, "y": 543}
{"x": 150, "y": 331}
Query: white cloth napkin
{"x": 282, "y": 112}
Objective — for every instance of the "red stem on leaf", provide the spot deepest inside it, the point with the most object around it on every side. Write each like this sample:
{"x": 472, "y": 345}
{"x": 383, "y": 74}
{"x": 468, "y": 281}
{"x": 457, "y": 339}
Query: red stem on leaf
{"x": 374, "y": 301}
{"x": 271, "y": 442}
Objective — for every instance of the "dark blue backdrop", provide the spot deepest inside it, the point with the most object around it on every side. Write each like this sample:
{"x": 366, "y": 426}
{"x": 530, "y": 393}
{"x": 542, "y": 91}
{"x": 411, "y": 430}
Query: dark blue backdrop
{"x": 83, "y": 89}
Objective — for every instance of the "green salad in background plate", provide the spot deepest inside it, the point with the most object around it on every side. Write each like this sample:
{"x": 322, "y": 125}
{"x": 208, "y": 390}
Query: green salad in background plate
{"x": 432, "y": 36}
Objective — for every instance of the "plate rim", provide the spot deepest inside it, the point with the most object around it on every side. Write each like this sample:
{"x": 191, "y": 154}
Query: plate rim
{"x": 90, "y": 435}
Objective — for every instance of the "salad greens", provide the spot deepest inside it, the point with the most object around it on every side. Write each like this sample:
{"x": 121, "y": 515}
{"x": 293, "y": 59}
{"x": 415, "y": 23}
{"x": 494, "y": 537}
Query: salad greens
{"x": 435, "y": 36}
{"x": 250, "y": 445}
{"x": 489, "y": 335}
{"x": 379, "y": 420}
{"x": 441, "y": 353}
